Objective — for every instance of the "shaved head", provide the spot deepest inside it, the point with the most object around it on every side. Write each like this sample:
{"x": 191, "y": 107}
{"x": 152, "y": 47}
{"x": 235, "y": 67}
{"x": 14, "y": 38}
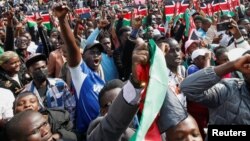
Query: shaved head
{"x": 14, "y": 126}
{"x": 28, "y": 126}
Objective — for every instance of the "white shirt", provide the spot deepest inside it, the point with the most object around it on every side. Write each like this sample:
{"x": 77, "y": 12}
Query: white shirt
{"x": 6, "y": 103}
{"x": 243, "y": 44}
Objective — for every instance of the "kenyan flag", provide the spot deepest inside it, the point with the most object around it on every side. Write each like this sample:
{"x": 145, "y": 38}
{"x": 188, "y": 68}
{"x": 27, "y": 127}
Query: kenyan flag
{"x": 142, "y": 12}
{"x": 153, "y": 95}
{"x": 127, "y": 19}
{"x": 225, "y": 7}
{"x": 31, "y": 20}
{"x": 46, "y": 21}
{"x": 83, "y": 12}
{"x": 176, "y": 6}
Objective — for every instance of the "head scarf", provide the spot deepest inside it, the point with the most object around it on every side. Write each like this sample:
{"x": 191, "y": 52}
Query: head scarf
{"x": 6, "y": 56}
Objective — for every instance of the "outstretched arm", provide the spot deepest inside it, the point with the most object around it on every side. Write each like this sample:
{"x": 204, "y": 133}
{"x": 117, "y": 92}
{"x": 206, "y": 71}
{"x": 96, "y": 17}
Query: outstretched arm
{"x": 74, "y": 55}
{"x": 203, "y": 85}
{"x": 9, "y": 42}
{"x": 44, "y": 38}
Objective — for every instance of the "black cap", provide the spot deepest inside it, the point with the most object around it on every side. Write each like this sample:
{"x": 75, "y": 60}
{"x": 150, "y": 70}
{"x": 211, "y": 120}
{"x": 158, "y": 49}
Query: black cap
{"x": 98, "y": 45}
{"x": 35, "y": 58}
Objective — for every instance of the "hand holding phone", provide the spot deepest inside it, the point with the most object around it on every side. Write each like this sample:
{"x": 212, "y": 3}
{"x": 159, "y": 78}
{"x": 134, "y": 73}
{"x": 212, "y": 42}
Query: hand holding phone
{"x": 224, "y": 26}
{"x": 103, "y": 23}
{"x": 234, "y": 29}
{"x": 137, "y": 23}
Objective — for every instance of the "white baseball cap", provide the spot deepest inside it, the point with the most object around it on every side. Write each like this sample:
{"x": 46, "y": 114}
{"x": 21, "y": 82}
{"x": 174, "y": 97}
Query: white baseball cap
{"x": 198, "y": 52}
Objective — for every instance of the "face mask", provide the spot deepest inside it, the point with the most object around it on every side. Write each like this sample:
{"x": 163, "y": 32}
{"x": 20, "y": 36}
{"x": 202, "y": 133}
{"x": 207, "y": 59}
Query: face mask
{"x": 40, "y": 75}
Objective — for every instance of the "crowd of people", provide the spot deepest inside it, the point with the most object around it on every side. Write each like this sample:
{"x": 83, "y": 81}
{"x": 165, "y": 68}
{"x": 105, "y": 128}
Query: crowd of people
{"x": 79, "y": 79}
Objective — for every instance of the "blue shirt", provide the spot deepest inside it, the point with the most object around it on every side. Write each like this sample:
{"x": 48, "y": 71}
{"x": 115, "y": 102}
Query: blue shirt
{"x": 192, "y": 69}
{"x": 109, "y": 68}
{"x": 201, "y": 33}
{"x": 87, "y": 84}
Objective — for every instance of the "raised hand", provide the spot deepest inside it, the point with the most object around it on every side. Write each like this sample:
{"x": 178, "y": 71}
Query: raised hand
{"x": 103, "y": 23}
{"x": 234, "y": 29}
{"x": 140, "y": 56}
{"x": 137, "y": 23}
{"x": 215, "y": 19}
{"x": 19, "y": 26}
{"x": 39, "y": 20}
{"x": 104, "y": 16}
{"x": 9, "y": 14}
{"x": 60, "y": 10}
{"x": 113, "y": 16}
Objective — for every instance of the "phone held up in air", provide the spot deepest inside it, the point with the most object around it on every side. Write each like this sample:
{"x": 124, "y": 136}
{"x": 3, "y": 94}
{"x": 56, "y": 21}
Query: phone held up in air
{"x": 223, "y": 26}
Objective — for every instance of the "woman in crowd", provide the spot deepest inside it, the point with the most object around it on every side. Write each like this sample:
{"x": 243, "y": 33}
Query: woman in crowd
{"x": 11, "y": 76}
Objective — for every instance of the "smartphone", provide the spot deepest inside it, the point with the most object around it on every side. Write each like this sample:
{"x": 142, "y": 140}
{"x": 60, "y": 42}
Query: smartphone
{"x": 223, "y": 26}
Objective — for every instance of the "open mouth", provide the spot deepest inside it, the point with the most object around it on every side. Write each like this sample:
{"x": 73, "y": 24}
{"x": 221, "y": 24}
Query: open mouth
{"x": 96, "y": 62}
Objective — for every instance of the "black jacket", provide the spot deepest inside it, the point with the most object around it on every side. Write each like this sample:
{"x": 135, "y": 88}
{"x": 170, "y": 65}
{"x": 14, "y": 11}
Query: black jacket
{"x": 60, "y": 122}
{"x": 47, "y": 48}
{"x": 123, "y": 60}
{"x": 7, "y": 82}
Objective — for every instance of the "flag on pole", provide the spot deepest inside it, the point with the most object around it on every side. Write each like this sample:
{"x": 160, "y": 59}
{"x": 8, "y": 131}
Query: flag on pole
{"x": 154, "y": 94}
